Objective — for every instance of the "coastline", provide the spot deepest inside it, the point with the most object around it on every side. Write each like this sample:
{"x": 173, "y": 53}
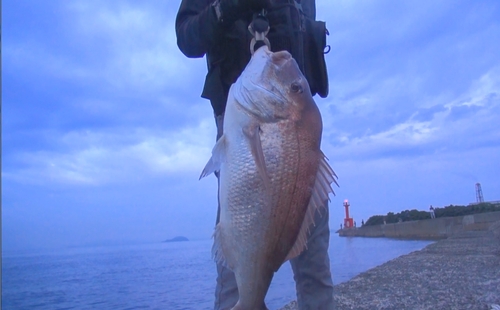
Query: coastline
{"x": 460, "y": 272}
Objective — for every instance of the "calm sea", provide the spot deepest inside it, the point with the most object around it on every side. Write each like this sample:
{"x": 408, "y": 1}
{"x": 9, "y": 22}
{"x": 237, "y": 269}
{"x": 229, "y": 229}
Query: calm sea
{"x": 159, "y": 276}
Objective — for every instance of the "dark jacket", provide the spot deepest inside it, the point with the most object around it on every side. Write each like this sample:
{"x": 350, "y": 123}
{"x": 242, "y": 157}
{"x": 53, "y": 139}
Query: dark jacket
{"x": 228, "y": 47}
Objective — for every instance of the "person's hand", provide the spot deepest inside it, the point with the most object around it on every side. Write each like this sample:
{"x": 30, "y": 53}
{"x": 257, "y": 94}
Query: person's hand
{"x": 231, "y": 10}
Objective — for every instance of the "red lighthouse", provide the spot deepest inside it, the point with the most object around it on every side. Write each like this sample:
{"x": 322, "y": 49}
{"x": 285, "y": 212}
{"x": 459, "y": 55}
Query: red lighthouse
{"x": 348, "y": 221}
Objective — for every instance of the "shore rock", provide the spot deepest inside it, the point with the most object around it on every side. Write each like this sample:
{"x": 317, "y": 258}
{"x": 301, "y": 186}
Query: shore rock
{"x": 461, "y": 272}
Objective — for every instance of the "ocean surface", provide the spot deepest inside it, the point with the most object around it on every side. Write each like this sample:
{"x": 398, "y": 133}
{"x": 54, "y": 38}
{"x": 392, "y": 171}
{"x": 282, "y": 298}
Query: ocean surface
{"x": 171, "y": 276}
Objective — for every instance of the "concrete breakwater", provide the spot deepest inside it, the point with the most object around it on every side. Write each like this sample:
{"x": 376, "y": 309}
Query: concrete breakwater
{"x": 438, "y": 228}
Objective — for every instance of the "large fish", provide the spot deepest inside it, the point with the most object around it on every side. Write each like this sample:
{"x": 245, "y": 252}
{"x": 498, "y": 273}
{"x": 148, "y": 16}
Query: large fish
{"x": 273, "y": 175}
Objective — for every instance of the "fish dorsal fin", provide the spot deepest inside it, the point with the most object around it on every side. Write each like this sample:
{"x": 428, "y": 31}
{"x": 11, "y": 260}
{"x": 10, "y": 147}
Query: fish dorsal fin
{"x": 322, "y": 187}
{"x": 217, "y": 252}
{"x": 218, "y": 157}
{"x": 252, "y": 132}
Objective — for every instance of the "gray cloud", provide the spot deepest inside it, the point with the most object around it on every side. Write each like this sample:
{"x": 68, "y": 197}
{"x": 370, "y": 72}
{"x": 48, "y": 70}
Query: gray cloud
{"x": 105, "y": 133}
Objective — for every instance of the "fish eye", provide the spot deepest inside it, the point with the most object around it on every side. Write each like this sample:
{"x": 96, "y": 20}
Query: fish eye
{"x": 296, "y": 88}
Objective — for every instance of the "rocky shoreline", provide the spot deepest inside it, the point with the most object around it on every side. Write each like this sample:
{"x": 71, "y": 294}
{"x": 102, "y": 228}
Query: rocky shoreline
{"x": 461, "y": 272}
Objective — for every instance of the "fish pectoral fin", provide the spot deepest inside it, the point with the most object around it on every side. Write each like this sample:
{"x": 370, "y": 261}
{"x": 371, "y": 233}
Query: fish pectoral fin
{"x": 252, "y": 132}
{"x": 217, "y": 252}
{"x": 322, "y": 188}
{"x": 218, "y": 156}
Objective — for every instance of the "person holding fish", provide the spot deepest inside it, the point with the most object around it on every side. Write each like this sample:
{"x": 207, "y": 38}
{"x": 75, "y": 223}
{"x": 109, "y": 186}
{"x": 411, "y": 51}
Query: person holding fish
{"x": 219, "y": 30}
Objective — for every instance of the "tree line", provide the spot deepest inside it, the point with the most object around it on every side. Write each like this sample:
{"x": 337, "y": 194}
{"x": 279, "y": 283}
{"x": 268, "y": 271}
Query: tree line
{"x": 415, "y": 215}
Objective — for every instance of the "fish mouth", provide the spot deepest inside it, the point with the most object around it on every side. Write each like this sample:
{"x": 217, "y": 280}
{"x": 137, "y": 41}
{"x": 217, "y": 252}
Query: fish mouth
{"x": 281, "y": 57}
{"x": 276, "y": 57}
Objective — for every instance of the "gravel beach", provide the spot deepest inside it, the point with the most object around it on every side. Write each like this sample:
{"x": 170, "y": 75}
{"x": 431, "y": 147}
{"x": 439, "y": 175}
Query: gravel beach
{"x": 461, "y": 272}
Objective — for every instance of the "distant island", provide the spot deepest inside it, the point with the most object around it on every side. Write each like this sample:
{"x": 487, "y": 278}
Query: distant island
{"x": 177, "y": 239}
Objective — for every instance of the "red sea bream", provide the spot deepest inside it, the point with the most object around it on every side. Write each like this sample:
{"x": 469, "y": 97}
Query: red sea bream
{"x": 273, "y": 174}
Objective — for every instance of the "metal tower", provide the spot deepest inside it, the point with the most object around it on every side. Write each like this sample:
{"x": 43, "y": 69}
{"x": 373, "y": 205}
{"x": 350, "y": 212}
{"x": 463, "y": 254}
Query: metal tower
{"x": 479, "y": 193}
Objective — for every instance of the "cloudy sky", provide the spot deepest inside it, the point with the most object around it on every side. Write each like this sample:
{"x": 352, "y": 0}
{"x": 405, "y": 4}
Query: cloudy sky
{"x": 104, "y": 133}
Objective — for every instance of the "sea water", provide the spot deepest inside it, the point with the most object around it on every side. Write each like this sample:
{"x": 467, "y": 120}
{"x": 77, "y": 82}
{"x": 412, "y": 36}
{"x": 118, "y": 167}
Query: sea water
{"x": 175, "y": 276}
